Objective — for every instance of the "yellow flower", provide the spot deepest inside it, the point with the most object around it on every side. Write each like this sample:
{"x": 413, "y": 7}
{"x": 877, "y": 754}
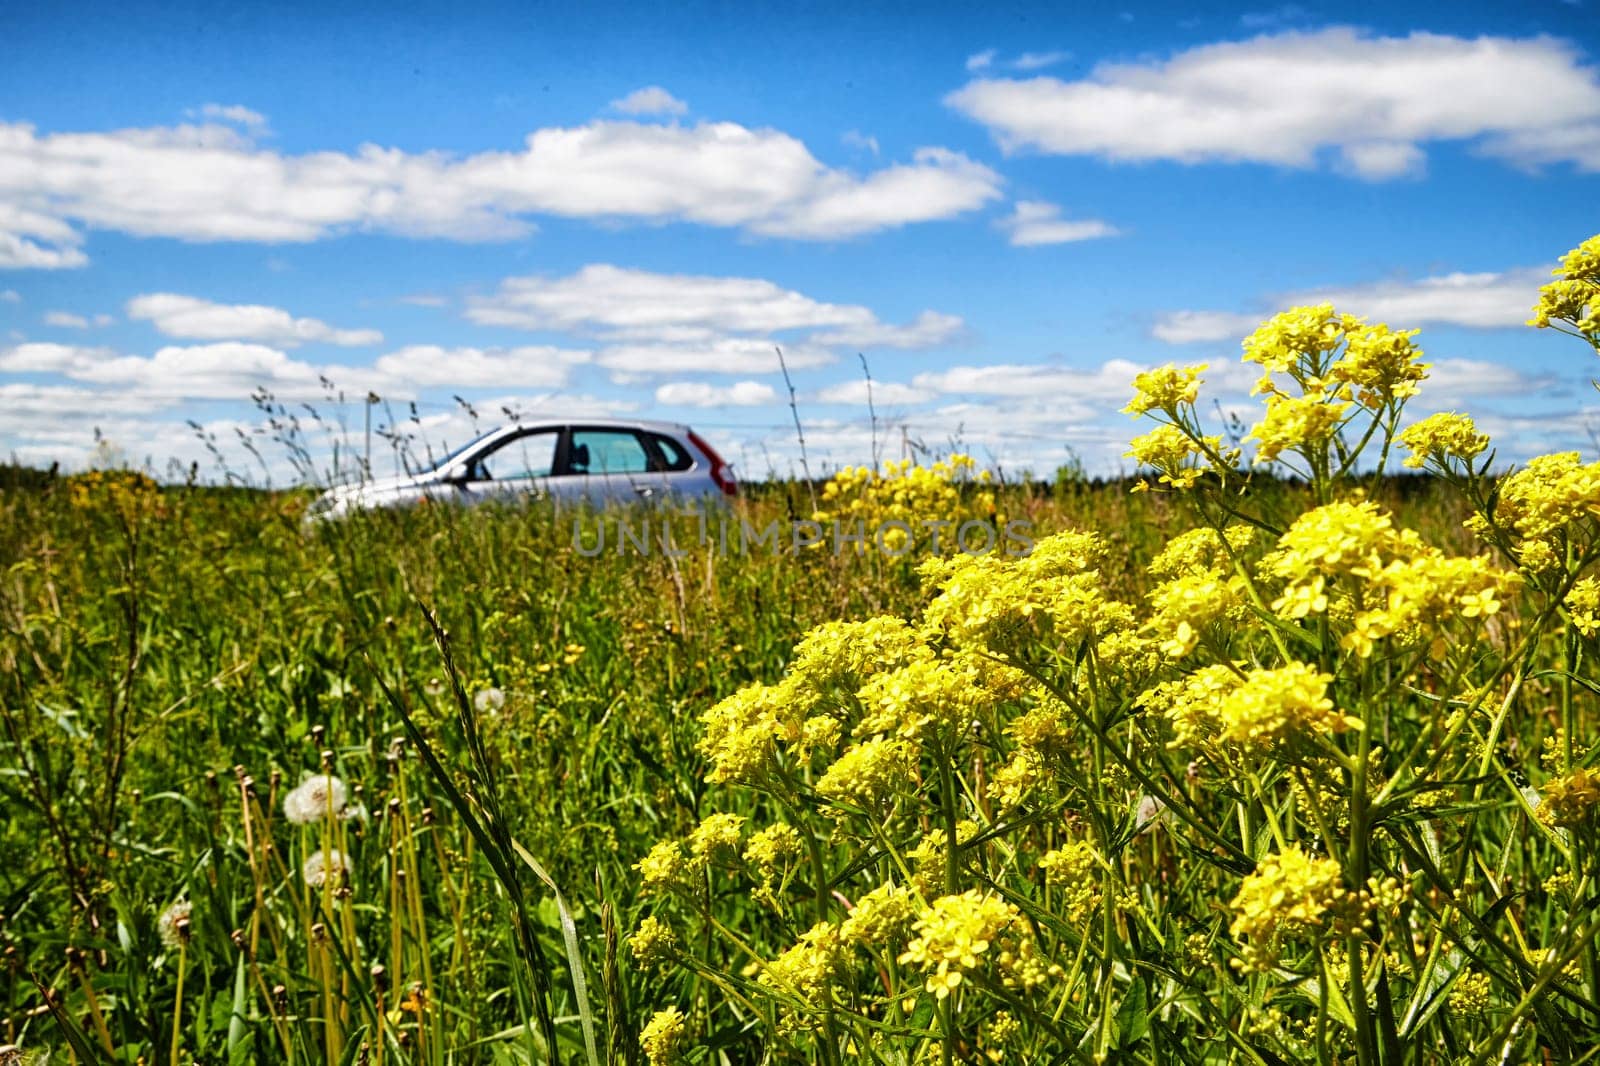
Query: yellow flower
{"x": 1165, "y": 389}
{"x": 665, "y": 1039}
{"x": 654, "y": 943}
{"x": 1273, "y": 707}
{"x": 870, "y": 772}
{"x": 1289, "y": 894}
{"x": 1442, "y": 437}
{"x": 952, "y": 934}
{"x": 879, "y": 917}
{"x": 1295, "y": 424}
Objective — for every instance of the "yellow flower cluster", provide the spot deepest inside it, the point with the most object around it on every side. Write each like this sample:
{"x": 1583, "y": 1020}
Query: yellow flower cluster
{"x": 870, "y": 773}
{"x": 1546, "y": 499}
{"x": 654, "y": 943}
{"x": 1296, "y": 422}
{"x": 1569, "y": 802}
{"x": 908, "y": 493}
{"x": 952, "y": 934}
{"x": 1198, "y": 550}
{"x": 1583, "y": 606}
{"x": 1177, "y": 458}
{"x": 807, "y": 970}
{"x": 880, "y": 917}
{"x": 1574, "y": 299}
{"x": 1165, "y": 389}
{"x": 1187, "y": 604}
{"x": 1290, "y": 894}
{"x": 1271, "y": 708}
{"x": 1442, "y": 437}
{"x": 665, "y": 1037}
{"x": 986, "y": 601}
{"x": 1075, "y": 871}
{"x": 132, "y": 496}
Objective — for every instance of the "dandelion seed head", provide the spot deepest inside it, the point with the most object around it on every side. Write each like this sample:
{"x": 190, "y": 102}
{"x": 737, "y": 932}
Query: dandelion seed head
{"x": 314, "y": 799}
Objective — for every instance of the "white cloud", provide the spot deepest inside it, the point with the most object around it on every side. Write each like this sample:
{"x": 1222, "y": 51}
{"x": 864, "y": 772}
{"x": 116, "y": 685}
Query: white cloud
{"x": 624, "y": 304}
{"x": 30, "y": 240}
{"x": 1038, "y": 60}
{"x": 700, "y": 394}
{"x": 883, "y": 393}
{"x": 65, "y": 320}
{"x": 237, "y": 114}
{"x": 212, "y": 182}
{"x": 1187, "y": 327}
{"x": 652, "y": 100}
{"x": 929, "y": 330}
{"x": 1112, "y": 380}
{"x": 1486, "y": 300}
{"x": 1035, "y": 222}
{"x": 192, "y": 318}
{"x": 1288, "y": 98}
{"x": 982, "y": 60}
{"x": 857, "y": 139}
{"x": 473, "y": 368}
{"x": 1479, "y": 301}
{"x": 1452, "y": 380}
{"x": 45, "y": 358}
{"x": 10, "y": 296}
{"x": 722, "y": 355}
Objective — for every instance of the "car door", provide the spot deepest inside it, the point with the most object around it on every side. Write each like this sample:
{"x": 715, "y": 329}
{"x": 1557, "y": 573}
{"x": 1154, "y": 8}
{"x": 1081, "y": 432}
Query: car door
{"x": 607, "y": 464}
{"x": 517, "y": 468}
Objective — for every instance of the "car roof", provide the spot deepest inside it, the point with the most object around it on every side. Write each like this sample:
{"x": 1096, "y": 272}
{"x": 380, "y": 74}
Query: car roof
{"x": 599, "y": 422}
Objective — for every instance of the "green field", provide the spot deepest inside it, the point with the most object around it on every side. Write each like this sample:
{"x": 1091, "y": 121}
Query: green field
{"x": 1310, "y": 784}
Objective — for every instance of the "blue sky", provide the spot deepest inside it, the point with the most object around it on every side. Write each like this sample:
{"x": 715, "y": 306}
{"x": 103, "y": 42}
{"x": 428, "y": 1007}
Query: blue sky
{"x": 1009, "y": 209}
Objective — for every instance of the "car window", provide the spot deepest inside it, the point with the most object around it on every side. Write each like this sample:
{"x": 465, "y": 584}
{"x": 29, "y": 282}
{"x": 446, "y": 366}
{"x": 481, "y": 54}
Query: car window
{"x": 606, "y": 451}
{"x": 528, "y": 455}
{"x": 673, "y": 455}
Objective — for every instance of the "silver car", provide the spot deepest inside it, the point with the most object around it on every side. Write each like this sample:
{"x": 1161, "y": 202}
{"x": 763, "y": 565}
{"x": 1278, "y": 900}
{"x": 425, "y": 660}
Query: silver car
{"x": 594, "y": 462}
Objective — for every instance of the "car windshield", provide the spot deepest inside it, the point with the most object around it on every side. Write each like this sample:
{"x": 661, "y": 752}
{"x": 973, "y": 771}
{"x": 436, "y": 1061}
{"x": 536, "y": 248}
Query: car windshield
{"x": 454, "y": 454}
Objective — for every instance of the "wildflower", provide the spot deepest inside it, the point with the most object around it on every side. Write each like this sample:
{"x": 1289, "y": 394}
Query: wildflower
{"x": 1380, "y": 362}
{"x": 665, "y": 1039}
{"x": 1470, "y": 996}
{"x": 870, "y": 772}
{"x": 317, "y": 797}
{"x": 1192, "y": 705}
{"x": 665, "y": 865}
{"x": 719, "y": 833}
{"x": 879, "y": 917}
{"x": 1165, "y": 389}
{"x": 1187, "y": 604}
{"x": 1173, "y": 454}
{"x": 1200, "y": 550}
{"x": 772, "y": 847}
{"x": 1012, "y": 782}
{"x": 173, "y": 925}
{"x": 1286, "y": 338}
{"x": 1272, "y": 707}
{"x": 1583, "y": 606}
{"x": 926, "y": 693}
{"x": 1075, "y": 871}
{"x": 1296, "y": 424}
{"x": 1571, "y": 801}
{"x": 654, "y": 943}
{"x": 1547, "y": 495}
{"x": 324, "y": 867}
{"x": 1442, "y": 437}
{"x": 1289, "y": 894}
{"x": 488, "y": 700}
{"x": 951, "y": 935}
{"x": 1573, "y": 299}
{"x": 807, "y": 969}
{"x": 742, "y": 731}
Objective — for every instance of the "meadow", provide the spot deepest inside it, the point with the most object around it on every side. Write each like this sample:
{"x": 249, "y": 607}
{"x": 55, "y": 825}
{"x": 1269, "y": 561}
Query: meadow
{"x": 1228, "y": 768}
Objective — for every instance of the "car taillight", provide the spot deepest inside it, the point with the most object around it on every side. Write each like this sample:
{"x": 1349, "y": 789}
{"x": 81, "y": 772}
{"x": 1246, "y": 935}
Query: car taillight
{"x": 721, "y": 472}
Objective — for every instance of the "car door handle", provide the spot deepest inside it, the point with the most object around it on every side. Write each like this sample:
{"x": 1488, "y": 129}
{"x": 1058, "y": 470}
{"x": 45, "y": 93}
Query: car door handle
{"x": 644, "y": 490}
